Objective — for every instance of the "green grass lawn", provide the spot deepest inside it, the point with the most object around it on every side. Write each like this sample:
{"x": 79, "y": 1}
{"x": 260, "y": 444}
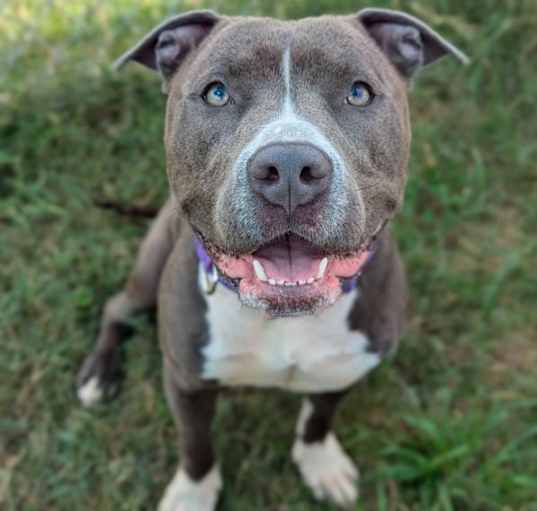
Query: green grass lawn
{"x": 449, "y": 424}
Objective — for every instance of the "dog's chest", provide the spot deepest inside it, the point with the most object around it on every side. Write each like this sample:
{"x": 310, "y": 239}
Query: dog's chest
{"x": 303, "y": 354}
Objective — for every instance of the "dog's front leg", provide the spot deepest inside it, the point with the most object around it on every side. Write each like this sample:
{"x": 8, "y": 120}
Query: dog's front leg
{"x": 197, "y": 483}
{"x": 324, "y": 466}
{"x": 101, "y": 373}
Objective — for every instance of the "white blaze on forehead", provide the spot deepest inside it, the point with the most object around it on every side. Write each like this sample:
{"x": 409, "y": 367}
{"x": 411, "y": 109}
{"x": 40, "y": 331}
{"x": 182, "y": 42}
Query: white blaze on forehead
{"x": 286, "y": 71}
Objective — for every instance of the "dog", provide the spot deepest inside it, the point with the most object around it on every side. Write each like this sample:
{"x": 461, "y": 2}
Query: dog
{"x": 272, "y": 263}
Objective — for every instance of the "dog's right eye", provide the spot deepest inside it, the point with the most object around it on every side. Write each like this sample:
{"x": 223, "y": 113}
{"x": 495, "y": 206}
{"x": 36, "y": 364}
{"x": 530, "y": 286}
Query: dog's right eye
{"x": 216, "y": 94}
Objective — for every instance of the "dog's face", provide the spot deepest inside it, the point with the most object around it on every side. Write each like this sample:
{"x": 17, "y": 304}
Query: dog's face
{"x": 287, "y": 142}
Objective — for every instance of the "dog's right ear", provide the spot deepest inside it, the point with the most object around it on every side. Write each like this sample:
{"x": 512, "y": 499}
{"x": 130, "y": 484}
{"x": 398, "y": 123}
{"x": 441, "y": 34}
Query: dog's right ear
{"x": 164, "y": 48}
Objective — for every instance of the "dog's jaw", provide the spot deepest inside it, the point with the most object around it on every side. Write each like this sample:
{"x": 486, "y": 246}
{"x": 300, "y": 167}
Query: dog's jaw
{"x": 290, "y": 276}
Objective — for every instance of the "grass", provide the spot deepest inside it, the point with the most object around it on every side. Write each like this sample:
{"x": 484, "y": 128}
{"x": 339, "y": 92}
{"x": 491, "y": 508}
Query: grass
{"x": 450, "y": 424}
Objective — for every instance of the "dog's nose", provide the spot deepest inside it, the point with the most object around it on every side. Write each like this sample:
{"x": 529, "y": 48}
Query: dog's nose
{"x": 289, "y": 174}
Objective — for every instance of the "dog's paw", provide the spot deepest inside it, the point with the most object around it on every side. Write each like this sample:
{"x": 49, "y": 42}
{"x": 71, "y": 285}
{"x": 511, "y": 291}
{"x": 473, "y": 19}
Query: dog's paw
{"x": 99, "y": 377}
{"x": 327, "y": 470}
{"x": 184, "y": 494}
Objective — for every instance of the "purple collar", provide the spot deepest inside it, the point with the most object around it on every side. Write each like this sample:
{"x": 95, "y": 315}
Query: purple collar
{"x": 212, "y": 277}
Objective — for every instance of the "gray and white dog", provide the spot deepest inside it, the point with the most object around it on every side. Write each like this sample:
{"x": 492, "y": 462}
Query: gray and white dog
{"x": 287, "y": 147}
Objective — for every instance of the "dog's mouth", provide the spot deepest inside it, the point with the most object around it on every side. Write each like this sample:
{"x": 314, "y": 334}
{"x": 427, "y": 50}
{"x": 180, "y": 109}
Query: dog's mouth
{"x": 290, "y": 275}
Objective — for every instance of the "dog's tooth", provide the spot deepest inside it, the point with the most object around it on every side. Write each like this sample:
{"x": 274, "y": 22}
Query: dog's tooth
{"x": 281, "y": 282}
{"x": 322, "y": 268}
{"x": 301, "y": 283}
{"x": 259, "y": 271}
{"x": 290, "y": 284}
{"x": 272, "y": 282}
{"x": 311, "y": 280}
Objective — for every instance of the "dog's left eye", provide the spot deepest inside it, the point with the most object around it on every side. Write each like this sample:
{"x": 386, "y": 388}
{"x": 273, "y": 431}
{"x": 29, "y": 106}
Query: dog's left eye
{"x": 216, "y": 94}
{"x": 361, "y": 94}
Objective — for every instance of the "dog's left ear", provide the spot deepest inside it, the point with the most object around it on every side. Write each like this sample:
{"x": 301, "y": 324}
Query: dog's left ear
{"x": 407, "y": 42}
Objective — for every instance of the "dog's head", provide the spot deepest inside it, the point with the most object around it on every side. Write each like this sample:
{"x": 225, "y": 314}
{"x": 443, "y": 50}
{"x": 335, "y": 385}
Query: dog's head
{"x": 287, "y": 142}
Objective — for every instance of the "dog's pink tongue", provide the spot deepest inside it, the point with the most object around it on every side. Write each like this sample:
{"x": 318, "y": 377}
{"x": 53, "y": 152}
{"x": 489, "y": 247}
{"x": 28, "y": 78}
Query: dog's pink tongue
{"x": 291, "y": 260}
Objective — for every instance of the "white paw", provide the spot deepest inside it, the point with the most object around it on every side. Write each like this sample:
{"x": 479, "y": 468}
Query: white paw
{"x": 327, "y": 470}
{"x": 184, "y": 494}
{"x": 91, "y": 392}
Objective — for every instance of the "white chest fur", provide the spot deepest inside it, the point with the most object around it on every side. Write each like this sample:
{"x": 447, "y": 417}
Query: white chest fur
{"x": 303, "y": 354}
